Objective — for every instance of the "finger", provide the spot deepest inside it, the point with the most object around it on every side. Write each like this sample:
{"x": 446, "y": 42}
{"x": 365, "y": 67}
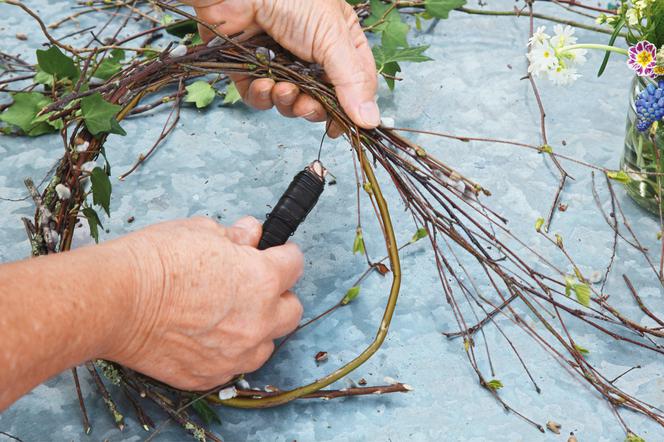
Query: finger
{"x": 257, "y": 358}
{"x": 259, "y": 94}
{"x": 348, "y": 63}
{"x": 309, "y": 109}
{"x": 287, "y": 315}
{"x": 245, "y": 232}
{"x": 284, "y": 264}
{"x": 228, "y": 17}
{"x": 334, "y": 130}
{"x": 283, "y": 96}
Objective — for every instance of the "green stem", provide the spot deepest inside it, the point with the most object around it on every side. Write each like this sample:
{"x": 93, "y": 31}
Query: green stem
{"x": 393, "y": 253}
{"x": 594, "y": 46}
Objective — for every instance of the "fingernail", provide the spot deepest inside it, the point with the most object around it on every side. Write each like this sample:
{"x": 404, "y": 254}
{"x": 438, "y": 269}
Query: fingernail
{"x": 287, "y": 98}
{"x": 369, "y": 113}
{"x": 246, "y": 223}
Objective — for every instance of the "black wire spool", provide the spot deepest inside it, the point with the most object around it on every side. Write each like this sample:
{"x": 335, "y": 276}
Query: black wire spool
{"x": 293, "y": 206}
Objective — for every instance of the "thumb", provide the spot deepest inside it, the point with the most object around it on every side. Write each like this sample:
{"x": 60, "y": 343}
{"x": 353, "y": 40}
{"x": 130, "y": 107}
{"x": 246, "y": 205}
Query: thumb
{"x": 245, "y": 232}
{"x": 351, "y": 69}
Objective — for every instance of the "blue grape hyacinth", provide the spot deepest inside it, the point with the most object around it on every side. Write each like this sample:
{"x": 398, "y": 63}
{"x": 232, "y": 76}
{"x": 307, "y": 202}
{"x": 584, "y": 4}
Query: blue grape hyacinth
{"x": 650, "y": 106}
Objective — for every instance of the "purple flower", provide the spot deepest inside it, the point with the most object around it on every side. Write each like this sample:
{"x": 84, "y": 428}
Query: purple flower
{"x": 642, "y": 58}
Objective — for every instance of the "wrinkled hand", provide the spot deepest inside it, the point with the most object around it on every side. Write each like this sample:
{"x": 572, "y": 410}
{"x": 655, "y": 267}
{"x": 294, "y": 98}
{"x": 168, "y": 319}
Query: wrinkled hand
{"x": 208, "y": 304}
{"x": 323, "y": 31}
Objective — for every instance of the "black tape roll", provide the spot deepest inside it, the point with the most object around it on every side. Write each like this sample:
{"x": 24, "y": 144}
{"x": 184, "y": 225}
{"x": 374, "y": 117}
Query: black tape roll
{"x": 292, "y": 208}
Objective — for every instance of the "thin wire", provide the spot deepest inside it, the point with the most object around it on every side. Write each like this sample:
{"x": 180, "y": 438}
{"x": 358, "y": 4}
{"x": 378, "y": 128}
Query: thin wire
{"x": 320, "y": 148}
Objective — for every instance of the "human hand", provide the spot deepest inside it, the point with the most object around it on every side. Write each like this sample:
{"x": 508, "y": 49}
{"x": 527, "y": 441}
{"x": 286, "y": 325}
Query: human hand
{"x": 207, "y": 303}
{"x": 323, "y": 31}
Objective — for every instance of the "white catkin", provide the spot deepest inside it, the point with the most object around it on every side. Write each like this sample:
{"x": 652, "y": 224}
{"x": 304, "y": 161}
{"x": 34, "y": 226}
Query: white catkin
{"x": 55, "y": 237}
{"x": 595, "y": 277}
{"x": 460, "y": 186}
{"x": 469, "y": 193}
{"x": 63, "y": 191}
{"x": 390, "y": 380}
{"x": 243, "y": 384}
{"x": 178, "y": 51}
{"x": 265, "y": 52}
{"x": 227, "y": 393}
{"x": 96, "y": 81}
{"x": 216, "y": 41}
{"x": 87, "y": 167}
{"x": 45, "y": 216}
{"x": 82, "y": 147}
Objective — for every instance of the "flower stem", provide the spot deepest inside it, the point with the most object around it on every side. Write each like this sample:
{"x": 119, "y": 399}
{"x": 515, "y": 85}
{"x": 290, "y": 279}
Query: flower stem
{"x": 594, "y": 46}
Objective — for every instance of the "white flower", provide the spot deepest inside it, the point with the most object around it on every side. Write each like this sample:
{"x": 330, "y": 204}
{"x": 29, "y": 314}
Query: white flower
{"x": 539, "y": 37}
{"x": 542, "y": 59}
{"x": 563, "y": 36}
{"x": 574, "y": 57}
{"x": 63, "y": 191}
{"x": 563, "y": 75}
{"x": 633, "y": 16}
{"x": 642, "y": 5}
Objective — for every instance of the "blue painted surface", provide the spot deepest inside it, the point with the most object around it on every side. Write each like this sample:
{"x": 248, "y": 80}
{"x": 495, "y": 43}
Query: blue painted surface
{"x": 227, "y": 162}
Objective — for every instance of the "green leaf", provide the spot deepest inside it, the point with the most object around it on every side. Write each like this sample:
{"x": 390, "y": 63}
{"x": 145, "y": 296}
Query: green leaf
{"x": 42, "y": 77}
{"x": 55, "y": 124}
{"x": 358, "y": 243}
{"x": 442, "y": 8}
{"x": 631, "y": 437}
{"x": 206, "y": 412}
{"x": 582, "y": 292}
{"x": 101, "y": 189}
{"x": 494, "y": 384}
{"x": 54, "y": 62}
{"x": 584, "y": 351}
{"x": 389, "y": 71}
{"x": 99, "y": 115}
{"x": 196, "y": 40}
{"x": 167, "y": 19}
{"x": 612, "y": 40}
{"x": 545, "y": 148}
{"x": 93, "y": 222}
{"x": 201, "y": 93}
{"x": 539, "y": 224}
{"x": 182, "y": 27}
{"x": 387, "y": 55}
{"x": 351, "y": 294}
{"x": 419, "y": 234}
{"x": 378, "y": 12}
{"x": 24, "y": 110}
{"x": 619, "y": 175}
{"x": 110, "y": 65}
{"x": 116, "y": 128}
{"x": 232, "y": 95}
{"x": 394, "y": 35}
{"x": 658, "y": 24}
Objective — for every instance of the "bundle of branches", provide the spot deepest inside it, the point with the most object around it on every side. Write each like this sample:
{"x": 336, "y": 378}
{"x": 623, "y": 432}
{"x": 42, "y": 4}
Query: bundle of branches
{"x": 446, "y": 206}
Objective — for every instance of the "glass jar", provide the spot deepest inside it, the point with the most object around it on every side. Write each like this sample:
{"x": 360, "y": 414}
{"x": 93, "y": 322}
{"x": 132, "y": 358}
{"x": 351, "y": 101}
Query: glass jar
{"x": 639, "y": 158}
